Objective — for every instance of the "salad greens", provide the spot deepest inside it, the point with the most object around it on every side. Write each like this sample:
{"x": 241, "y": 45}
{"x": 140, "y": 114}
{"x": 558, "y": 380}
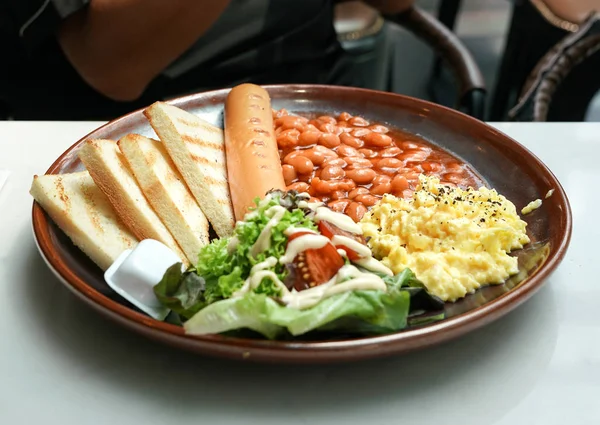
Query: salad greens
{"x": 204, "y": 296}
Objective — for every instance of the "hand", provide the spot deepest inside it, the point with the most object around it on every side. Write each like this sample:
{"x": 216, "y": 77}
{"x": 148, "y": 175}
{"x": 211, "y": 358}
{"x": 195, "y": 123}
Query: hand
{"x": 390, "y": 7}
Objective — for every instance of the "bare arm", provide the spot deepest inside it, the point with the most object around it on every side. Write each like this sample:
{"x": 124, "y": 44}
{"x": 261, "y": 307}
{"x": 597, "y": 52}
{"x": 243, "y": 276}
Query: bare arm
{"x": 573, "y": 11}
{"x": 119, "y": 46}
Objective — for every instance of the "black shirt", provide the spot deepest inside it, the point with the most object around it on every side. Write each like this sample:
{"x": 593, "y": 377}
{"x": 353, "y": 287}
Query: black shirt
{"x": 260, "y": 41}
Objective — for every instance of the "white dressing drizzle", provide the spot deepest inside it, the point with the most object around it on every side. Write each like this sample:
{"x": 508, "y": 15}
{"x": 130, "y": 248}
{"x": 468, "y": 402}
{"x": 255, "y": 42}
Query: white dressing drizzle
{"x": 374, "y": 265}
{"x": 302, "y": 243}
{"x": 340, "y": 220}
{"x": 291, "y": 230}
{"x": 232, "y": 244}
{"x": 263, "y": 242}
{"x": 363, "y": 251}
{"x": 257, "y": 274}
{"x": 357, "y": 280}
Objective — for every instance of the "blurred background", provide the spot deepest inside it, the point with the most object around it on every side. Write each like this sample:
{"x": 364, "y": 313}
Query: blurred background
{"x": 497, "y": 60}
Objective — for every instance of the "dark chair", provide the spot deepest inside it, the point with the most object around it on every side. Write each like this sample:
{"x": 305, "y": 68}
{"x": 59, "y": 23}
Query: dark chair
{"x": 471, "y": 86}
{"x": 533, "y": 31}
{"x": 575, "y": 50}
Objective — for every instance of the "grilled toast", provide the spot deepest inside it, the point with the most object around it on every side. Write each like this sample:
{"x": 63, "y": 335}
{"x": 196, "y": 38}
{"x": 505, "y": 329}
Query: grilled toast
{"x": 110, "y": 172}
{"x": 197, "y": 148}
{"x": 84, "y": 214}
{"x": 167, "y": 192}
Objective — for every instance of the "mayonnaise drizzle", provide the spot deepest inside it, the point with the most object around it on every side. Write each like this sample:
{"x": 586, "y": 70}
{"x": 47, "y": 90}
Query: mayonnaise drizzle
{"x": 263, "y": 242}
{"x": 339, "y": 220}
{"x": 373, "y": 265}
{"x": 302, "y": 243}
{"x": 358, "y": 281}
{"x": 257, "y": 274}
{"x": 362, "y": 250}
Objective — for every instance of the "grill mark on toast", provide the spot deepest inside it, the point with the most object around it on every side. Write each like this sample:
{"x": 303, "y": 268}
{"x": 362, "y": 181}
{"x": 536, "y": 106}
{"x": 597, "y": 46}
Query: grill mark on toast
{"x": 195, "y": 141}
{"x": 60, "y": 189}
{"x": 204, "y": 161}
{"x": 195, "y": 124}
{"x": 91, "y": 208}
{"x": 211, "y": 180}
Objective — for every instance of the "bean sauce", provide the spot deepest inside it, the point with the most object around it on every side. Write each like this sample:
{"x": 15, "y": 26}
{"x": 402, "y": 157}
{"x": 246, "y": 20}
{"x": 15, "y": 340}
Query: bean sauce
{"x": 350, "y": 163}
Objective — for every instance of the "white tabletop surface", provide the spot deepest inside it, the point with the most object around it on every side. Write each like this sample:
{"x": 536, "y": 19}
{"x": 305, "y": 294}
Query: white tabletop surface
{"x": 62, "y": 363}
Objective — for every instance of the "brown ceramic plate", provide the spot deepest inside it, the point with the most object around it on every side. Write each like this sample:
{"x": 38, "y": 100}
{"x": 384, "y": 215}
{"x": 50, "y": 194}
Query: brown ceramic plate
{"x": 502, "y": 163}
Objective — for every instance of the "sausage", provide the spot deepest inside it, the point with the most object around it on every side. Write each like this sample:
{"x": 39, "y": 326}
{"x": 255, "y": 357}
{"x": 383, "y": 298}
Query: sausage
{"x": 253, "y": 165}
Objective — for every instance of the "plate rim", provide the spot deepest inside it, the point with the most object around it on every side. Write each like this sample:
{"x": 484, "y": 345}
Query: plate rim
{"x": 290, "y": 351}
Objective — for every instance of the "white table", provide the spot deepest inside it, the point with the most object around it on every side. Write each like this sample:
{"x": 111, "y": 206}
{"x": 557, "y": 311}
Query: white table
{"x": 62, "y": 363}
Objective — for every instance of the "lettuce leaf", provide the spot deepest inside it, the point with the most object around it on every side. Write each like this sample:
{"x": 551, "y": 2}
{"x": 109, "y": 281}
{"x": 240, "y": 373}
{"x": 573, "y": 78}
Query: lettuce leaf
{"x": 356, "y": 312}
{"x": 224, "y": 271}
{"x": 182, "y": 292}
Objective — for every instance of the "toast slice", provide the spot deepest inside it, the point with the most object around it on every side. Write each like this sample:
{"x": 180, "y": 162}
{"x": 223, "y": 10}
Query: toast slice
{"x": 84, "y": 214}
{"x": 110, "y": 172}
{"x": 167, "y": 193}
{"x": 198, "y": 150}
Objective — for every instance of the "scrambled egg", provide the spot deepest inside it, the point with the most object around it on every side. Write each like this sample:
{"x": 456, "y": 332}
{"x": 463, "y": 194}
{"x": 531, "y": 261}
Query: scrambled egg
{"x": 454, "y": 240}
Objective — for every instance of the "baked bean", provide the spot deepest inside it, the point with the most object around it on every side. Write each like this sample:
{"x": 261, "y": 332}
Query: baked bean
{"x": 280, "y": 113}
{"x": 355, "y": 211}
{"x": 327, "y": 119}
{"x": 327, "y": 127}
{"x": 389, "y": 164}
{"x": 288, "y": 138}
{"x": 377, "y": 128}
{"x": 351, "y": 141}
{"x": 360, "y": 132}
{"x": 454, "y": 167}
{"x": 342, "y": 124}
{"x": 338, "y": 205}
{"x": 338, "y": 194}
{"x": 411, "y": 176}
{"x": 310, "y": 126}
{"x": 381, "y": 188}
{"x": 399, "y": 183}
{"x": 454, "y": 178}
{"x": 358, "y": 191}
{"x": 368, "y": 153}
{"x": 379, "y": 140}
{"x": 339, "y": 162}
{"x": 361, "y": 175}
{"x": 322, "y": 187}
{"x": 431, "y": 166}
{"x": 291, "y": 155}
{"x": 346, "y": 185}
{"x": 345, "y": 151}
{"x": 327, "y": 153}
{"x": 414, "y": 166}
{"x": 301, "y": 164}
{"x": 332, "y": 172}
{"x": 329, "y": 140}
{"x": 289, "y": 121}
{"x": 367, "y": 200}
{"x": 413, "y": 155}
{"x": 358, "y": 122}
{"x": 298, "y": 187}
{"x": 409, "y": 145}
{"x": 344, "y": 116}
{"x": 355, "y": 162}
{"x": 315, "y": 156}
{"x": 380, "y": 179}
{"x": 309, "y": 137}
{"x": 390, "y": 152}
{"x": 289, "y": 173}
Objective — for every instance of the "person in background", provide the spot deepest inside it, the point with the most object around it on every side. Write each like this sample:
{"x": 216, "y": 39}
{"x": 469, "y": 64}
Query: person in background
{"x": 98, "y": 59}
